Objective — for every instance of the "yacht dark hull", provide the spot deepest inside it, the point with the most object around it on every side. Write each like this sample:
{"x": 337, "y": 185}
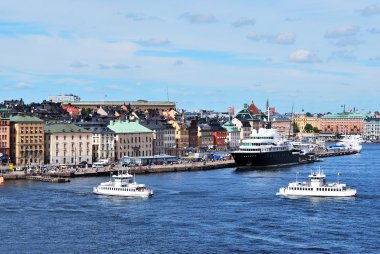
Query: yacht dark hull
{"x": 267, "y": 159}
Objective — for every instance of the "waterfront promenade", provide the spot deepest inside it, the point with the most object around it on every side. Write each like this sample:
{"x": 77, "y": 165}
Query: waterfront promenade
{"x": 85, "y": 172}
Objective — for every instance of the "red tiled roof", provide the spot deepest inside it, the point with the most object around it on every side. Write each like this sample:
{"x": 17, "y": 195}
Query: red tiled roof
{"x": 254, "y": 109}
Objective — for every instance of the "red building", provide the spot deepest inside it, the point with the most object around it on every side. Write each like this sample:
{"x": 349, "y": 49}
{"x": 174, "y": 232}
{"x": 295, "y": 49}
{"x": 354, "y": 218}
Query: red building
{"x": 220, "y": 137}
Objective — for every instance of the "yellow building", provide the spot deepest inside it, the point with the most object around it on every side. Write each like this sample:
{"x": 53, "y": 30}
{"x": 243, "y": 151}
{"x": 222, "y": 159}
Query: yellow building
{"x": 27, "y": 140}
{"x": 181, "y": 136}
{"x": 302, "y": 120}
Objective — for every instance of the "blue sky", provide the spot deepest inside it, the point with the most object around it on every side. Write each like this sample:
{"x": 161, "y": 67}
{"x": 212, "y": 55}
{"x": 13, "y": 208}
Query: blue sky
{"x": 316, "y": 55}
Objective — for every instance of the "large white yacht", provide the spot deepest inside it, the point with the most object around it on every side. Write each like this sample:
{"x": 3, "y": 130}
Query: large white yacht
{"x": 317, "y": 187}
{"x": 124, "y": 185}
{"x": 264, "y": 148}
{"x": 351, "y": 142}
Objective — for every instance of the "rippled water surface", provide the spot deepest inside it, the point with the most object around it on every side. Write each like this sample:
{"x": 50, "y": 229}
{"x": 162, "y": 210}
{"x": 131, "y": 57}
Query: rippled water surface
{"x": 198, "y": 212}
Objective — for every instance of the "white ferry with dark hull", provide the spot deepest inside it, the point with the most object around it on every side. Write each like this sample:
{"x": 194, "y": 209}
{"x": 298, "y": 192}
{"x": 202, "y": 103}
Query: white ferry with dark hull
{"x": 265, "y": 148}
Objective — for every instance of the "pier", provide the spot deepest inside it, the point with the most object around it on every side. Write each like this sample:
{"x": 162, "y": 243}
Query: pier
{"x": 195, "y": 166}
{"x": 335, "y": 153}
{"x": 48, "y": 179}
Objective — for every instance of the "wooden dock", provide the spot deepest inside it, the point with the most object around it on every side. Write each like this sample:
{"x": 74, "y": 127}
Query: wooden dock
{"x": 48, "y": 179}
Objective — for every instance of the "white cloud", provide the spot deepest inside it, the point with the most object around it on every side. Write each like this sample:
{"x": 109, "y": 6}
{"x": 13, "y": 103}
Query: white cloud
{"x": 198, "y": 18}
{"x": 303, "y": 56}
{"x": 370, "y": 10}
{"x": 78, "y": 64}
{"x": 347, "y": 42}
{"x": 23, "y": 85}
{"x": 342, "y": 31}
{"x": 244, "y": 21}
{"x": 282, "y": 38}
{"x": 120, "y": 66}
{"x": 140, "y": 17}
{"x": 157, "y": 41}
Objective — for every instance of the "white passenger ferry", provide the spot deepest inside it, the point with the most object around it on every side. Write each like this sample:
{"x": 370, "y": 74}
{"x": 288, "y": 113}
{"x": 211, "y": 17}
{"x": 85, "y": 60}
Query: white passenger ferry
{"x": 317, "y": 187}
{"x": 123, "y": 185}
{"x": 351, "y": 142}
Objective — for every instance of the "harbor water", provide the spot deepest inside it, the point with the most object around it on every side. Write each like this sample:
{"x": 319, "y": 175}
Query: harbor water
{"x": 218, "y": 211}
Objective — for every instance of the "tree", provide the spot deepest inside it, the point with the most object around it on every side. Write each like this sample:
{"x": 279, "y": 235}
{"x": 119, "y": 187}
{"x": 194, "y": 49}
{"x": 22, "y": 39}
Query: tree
{"x": 85, "y": 111}
{"x": 308, "y": 114}
{"x": 308, "y": 128}
{"x": 296, "y": 129}
{"x": 316, "y": 130}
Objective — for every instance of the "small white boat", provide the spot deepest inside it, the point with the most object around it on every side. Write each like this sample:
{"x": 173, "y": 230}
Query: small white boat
{"x": 123, "y": 185}
{"x": 317, "y": 187}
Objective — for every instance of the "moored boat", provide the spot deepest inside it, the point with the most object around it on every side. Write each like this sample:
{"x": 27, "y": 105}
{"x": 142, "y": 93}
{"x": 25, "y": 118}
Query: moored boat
{"x": 266, "y": 148}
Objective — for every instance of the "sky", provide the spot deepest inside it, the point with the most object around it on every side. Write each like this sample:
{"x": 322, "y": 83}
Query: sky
{"x": 314, "y": 55}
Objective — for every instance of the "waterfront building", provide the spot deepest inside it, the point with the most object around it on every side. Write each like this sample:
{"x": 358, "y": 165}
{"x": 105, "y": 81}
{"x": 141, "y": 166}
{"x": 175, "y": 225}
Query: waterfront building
{"x": 220, "y": 136}
{"x": 181, "y": 136}
{"x": 303, "y": 119}
{"x": 192, "y": 127}
{"x": 372, "y": 128}
{"x": 205, "y": 137}
{"x": 247, "y": 115}
{"x": 233, "y": 135}
{"x": 282, "y": 124}
{"x": 244, "y": 128}
{"x": 103, "y": 139}
{"x": 69, "y": 98}
{"x": 142, "y": 105}
{"x": 27, "y": 140}
{"x": 163, "y": 136}
{"x": 343, "y": 123}
{"x": 67, "y": 144}
{"x": 131, "y": 139}
{"x": 4, "y": 133}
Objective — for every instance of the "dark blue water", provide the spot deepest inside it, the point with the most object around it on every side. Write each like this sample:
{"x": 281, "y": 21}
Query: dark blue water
{"x": 198, "y": 212}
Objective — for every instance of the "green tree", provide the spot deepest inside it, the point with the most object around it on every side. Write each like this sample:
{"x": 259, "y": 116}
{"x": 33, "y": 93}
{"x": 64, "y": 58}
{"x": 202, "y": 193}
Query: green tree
{"x": 308, "y": 128}
{"x": 85, "y": 111}
{"x": 308, "y": 114}
{"x": 316, "y": 130}
{"x": 296, "y": 129}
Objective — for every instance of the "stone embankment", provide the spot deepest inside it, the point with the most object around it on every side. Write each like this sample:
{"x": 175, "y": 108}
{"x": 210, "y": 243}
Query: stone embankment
{"x": 156, "y": 168}
{"x": 85, "y": 172}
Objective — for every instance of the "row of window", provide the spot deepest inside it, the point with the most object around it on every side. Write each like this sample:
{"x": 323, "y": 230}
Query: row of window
{"x": 117, "y": 189}
{"x": 135, "y": 140}
{"x": 4, "y": 129}
{"x": 318, "y": 189}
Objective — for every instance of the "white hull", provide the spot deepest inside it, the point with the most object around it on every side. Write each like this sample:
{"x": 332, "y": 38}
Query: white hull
{"x": 315, "y": 193}
{"x": 132, "y": 194}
